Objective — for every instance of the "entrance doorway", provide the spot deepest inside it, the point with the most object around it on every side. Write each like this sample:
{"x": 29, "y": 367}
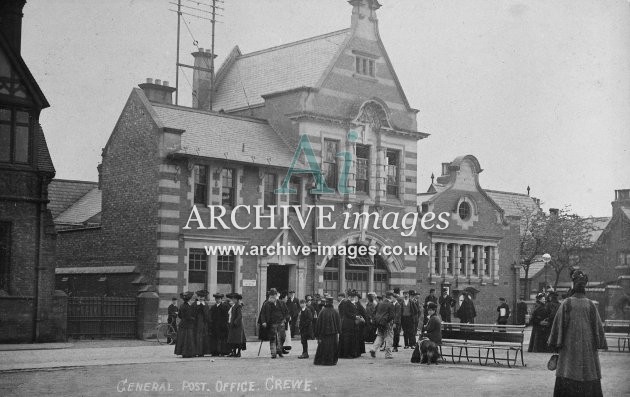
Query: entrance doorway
{"x": 278, "y": 277}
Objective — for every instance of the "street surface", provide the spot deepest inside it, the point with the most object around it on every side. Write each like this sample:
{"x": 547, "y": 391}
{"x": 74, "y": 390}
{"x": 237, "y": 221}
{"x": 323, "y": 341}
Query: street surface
{"x": 104, "y": 368}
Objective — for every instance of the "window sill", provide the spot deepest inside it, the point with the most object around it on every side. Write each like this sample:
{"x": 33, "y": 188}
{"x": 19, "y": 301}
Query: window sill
{"x": 365, "y": 77}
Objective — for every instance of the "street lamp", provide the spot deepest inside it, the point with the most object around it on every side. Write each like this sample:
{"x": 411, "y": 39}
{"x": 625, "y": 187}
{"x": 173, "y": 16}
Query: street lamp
{"x": 546, "y": 258}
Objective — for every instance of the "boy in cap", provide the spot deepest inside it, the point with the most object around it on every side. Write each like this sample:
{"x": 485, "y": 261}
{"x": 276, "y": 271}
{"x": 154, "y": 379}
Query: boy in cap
{"x": 504, "y": 312}
{"x": 273, "y": 316}
{"x": 433, "y": 330}
{"x": 293, "y": 305}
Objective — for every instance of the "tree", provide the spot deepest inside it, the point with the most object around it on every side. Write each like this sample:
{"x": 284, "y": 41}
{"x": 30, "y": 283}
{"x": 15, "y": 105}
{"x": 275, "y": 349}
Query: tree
{"x": 567, "y": 239}
{"x": 533, "y": 228}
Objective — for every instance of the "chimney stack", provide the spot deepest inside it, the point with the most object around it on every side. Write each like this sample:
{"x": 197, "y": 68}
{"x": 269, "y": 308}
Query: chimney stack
{"x": 553, "y": 211}
{"x": 159, "y": 91}
{"x": 445, "y": 168}
{"x": 202, "y": 79}
{"x": 11, "y": 22}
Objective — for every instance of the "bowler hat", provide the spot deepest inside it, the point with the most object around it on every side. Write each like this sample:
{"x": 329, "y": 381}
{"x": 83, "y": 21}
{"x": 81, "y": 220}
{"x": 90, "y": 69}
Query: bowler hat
{"x": 236, "y": 296}
{"x": 431, "y": 306}
{"x": 218, "y": 296}
{"x": 203, "y": 293}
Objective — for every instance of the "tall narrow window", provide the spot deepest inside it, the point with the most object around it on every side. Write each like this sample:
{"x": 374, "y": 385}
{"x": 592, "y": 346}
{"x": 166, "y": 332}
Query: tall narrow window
{"x": 487, "y": 259}
{"x": 474, "y": 263}
{"x": 437, "y": 258}
{"x": 201, "y": 184}
{"x": 329, "y": 165}
{"x": 198, "y": 266}
{"x": 228, "y": 182}
{"x": 363, "y": 166}
{"x": 393, "y": 161}
{"x": 449, "y": 259}
{"x": 270, "y": 197}
{"x": 14, "y": 136}
{"x": 5, "y": 255}
{"x": 225, "y": 272}
{"x": 295, "y": 198}
{"x": 463, "y": 254}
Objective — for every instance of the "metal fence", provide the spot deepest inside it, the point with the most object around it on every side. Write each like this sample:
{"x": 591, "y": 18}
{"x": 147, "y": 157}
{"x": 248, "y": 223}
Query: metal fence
{"x": 101, "y": 317}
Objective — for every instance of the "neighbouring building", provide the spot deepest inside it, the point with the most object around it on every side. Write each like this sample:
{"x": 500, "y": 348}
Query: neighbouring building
{"x": 29, "y": 307}
{"x": 479, "y": 249}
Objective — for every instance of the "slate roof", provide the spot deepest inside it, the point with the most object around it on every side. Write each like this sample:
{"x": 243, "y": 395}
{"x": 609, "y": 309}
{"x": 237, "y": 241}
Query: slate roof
{"x": 600, "y": 224}
{"x": 82, "y": 210}
{"x": 534, "y": 269}
{"x": 222, "y": 136}
{"x": 512, "y": 203}
{"x": 44, "y": 161}
{"x": 244, "y": 79}
{"x": 62, "y": 193}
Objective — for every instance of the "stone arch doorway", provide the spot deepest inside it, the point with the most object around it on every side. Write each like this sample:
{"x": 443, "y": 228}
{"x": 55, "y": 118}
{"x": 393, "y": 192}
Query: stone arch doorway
{"x": 363, "y": 273}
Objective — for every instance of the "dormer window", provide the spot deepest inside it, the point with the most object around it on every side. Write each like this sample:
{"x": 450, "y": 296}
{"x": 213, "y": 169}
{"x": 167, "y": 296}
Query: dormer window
{"x": 365, "y": 66}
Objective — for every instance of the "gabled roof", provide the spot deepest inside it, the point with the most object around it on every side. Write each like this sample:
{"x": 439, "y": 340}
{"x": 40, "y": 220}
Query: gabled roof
{"x": 42, "y": 155}
{"x": 63, "y": 193}
{"x": 222, "y": 136}
{"x": 599, "y": 223}
{"x": 513, "y": 203}
{"x": 22, "y": 70}
{"x": 243, "y": 79}
{"x": 84, "y": 209}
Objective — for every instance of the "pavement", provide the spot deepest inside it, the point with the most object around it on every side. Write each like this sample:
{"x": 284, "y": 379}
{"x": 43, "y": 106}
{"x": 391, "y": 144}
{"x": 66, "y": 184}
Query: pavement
{"x": 103, "y": 368}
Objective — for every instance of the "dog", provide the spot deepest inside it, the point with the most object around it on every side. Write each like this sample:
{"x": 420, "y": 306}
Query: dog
{"x": 425, "y": 352}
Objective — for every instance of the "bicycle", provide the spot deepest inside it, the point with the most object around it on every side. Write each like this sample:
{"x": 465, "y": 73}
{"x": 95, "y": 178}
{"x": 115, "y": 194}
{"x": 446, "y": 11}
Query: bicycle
{"x": 166, "y": 331}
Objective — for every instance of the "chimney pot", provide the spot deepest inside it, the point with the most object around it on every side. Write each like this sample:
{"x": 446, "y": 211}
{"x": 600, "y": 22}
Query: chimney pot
{"x": 208, "y": 50}
{"x": 158, "y": 92}
{"x": 200, "y": 49}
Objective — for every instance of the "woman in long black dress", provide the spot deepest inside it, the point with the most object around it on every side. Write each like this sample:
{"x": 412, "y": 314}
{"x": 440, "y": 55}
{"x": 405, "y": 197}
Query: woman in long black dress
{"x": 347, "y": 339}
{"x": 236, "y": 333}
{"x": 327, "y": 331}
{"x": 360, "y": 325}
{"x": 186, "y": 344}
{"x": 541, "y": 326}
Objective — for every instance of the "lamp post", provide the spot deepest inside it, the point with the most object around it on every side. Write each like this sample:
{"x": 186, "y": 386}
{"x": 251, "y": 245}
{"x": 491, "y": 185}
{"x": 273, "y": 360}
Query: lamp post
{"x": 546, "y": 258}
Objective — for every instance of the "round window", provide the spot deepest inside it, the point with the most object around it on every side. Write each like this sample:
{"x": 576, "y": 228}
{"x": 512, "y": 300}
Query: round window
{"x": 464, "y": 211}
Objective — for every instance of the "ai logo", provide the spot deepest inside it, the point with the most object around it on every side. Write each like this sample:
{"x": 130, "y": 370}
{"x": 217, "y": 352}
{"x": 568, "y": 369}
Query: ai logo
{"x": 313, "y": 168}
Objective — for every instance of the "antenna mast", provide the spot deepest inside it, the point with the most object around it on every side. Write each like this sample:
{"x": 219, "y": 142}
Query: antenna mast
{"x": 197, "y": 11}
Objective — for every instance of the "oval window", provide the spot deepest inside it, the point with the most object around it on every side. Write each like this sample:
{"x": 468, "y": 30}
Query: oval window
{"x": 464, "y": 211}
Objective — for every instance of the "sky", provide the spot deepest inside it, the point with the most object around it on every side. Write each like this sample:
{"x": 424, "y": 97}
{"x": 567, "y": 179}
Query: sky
{"x": 538, "y": 90}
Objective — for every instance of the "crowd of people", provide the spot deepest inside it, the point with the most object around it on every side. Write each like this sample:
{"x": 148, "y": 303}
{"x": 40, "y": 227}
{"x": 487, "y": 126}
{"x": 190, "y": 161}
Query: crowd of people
{"x": 572, "y": 329}
{"x": 216, "y": 328}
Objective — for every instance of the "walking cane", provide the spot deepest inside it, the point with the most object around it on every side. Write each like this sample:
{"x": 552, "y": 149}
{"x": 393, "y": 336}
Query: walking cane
{"x": 260, "y": 347}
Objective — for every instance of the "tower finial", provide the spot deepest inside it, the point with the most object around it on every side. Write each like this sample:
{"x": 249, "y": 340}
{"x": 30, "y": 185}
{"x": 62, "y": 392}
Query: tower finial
{"x": 432, "y": 178}
{"x": 528, "y": 190}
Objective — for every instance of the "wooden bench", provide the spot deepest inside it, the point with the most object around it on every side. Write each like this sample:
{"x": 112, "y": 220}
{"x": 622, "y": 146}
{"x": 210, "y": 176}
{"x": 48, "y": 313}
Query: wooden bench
{"x": 620, "y": 330}
{"x": 463, "y": 339}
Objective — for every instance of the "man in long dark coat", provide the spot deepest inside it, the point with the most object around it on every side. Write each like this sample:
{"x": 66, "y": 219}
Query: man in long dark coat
{"x": 219, "y": 326}
{"x": 202, "y": 333}
{"x": 306, "y": 327}
{"x": 185, "y": 345}
{"x": 172, "y": 319}
{"x": 293, "y": 305}
{"x": 446, "y": 303}
{"x": 347, "y": 339}
{"x": 409, "y": 312}
{"x": 327, "y": 331}
{"x": 466, "y": 312}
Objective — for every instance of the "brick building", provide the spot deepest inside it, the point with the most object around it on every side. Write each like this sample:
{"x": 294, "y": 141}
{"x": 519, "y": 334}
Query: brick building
{"x": 29, "y": 308}
{"x": 165, "y": 167}
{"x": 479, "y": 249}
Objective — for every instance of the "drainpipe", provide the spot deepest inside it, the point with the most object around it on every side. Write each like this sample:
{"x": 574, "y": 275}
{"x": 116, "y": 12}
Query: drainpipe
{"x": 41, "y": 205}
